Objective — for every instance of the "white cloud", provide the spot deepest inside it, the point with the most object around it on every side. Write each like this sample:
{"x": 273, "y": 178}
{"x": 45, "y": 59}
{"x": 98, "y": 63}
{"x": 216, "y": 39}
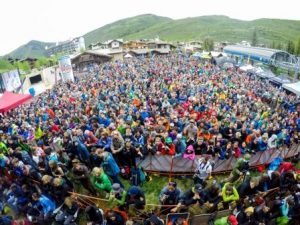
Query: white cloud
{"x": 57, "y": 20}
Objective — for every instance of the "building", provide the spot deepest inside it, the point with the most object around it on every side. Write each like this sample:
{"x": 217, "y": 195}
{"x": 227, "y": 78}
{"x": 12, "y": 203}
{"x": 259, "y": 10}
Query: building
{"x": 193, "y": 46}
{"x": 70, "y": 47}
{"x": 139, "y": 52}
{"x": 245, "y": 43}
{"x": 83, "y": 61}
{"x": 219, "y": 46}
{"x": 158, "y": 44}
{"x": 30, "y": 61}
{"x": 110, "y": 44}
{"x": 264, "y": 55}
{"x": 131, "y": 45}
{"x": 149, "y": 47}
{"x": 112, "y": 48}
{"x": 117, "y": 48}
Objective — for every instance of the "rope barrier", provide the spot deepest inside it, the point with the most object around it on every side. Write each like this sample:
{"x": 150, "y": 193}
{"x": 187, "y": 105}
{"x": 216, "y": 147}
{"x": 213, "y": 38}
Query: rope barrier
{"x": 162, "y": 208}
{"x": 106, "y": 200}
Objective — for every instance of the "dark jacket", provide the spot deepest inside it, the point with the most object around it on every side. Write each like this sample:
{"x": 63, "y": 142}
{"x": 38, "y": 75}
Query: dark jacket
{"x": 61, "y": 192}
{"x": 187, "y": 198}
{"x": 118, "y": 221}
{"x": 135, "y": 196}
{"x": 245, "y": 190}
{"x": 260, "y": 216}
{"x": 128, "y": 157}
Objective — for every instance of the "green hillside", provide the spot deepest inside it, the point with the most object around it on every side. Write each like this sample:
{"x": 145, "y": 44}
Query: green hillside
{"x": 33, "y": 48}
{"x": 219, "y": 28}
{"x": 124, "y": 28}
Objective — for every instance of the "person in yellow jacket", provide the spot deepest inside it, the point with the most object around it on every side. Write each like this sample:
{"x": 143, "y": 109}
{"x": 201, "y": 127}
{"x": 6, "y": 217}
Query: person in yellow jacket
{"x": 38, "y": 133}
{"x": 229, "y": 194}
{"x": 222, "y": 96}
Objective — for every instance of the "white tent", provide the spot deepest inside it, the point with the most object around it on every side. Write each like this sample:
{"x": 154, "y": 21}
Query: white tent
{"x": 128, "y": 55}
{"x": 246, "y": 68}
{"x": 218, "y": 54}
{"x": 197, "y": 54}
{"x": 293, "y": 87}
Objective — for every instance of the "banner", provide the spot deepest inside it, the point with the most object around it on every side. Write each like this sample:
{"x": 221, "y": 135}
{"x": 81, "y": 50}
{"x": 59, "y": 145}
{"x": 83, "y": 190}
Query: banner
{"x": 11, "y": 80}
{"x": 65, "y": 66}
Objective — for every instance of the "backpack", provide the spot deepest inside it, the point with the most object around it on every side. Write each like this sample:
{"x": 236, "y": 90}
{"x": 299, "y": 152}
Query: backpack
{"x": 275, "y": 163}
{"x": 126, "y": 172}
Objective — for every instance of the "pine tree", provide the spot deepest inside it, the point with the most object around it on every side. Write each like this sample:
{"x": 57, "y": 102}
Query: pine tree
{"x": 290, "y": 48}
{"x": 297, "y": 49}
{"x": 208, "y": 44}
{"x": 279, "y": 46}
{"x": 254, "y": 38}
{"x": 273, "y": 45}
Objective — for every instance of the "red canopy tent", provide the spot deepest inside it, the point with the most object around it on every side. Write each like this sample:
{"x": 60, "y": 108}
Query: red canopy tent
{"x": 11, "y": 100}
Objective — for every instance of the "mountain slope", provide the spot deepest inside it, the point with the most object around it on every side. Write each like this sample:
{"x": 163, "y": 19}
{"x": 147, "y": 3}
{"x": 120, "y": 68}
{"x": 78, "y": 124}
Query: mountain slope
{"x": 33, "y": 49}
{"x": 219, "y": 28}
{"x": 124, "y": 28}
{"x": 222, "y": 28}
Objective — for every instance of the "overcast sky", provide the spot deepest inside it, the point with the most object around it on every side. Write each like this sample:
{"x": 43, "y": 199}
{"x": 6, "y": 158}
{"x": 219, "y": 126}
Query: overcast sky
{"x": 58, "y": 20}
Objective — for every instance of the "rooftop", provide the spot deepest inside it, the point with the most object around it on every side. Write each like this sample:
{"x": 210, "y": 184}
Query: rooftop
{"x": 262, "y": 52}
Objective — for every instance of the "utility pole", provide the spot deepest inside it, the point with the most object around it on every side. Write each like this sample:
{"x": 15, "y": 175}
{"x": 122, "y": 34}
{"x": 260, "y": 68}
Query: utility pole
{"x": 297, "y": 69}
{"x": 55, "y": 74}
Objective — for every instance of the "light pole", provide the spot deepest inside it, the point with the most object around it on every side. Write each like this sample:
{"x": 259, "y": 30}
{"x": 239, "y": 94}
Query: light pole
{"x": 297, "y": 68}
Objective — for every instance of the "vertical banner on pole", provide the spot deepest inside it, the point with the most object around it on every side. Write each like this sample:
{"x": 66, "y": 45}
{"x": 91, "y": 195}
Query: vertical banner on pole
{"x": 11, "y": 80}
{"x": 65, "y": 66}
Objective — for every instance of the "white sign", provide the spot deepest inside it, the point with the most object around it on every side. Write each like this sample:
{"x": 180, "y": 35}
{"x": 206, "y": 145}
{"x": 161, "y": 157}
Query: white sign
{"x": 11, "y": 80}
{"x": 66, "y": 68}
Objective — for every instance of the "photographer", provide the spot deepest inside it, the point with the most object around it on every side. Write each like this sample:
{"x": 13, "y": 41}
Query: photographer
{"x": 203, "y": 170}
{"x": 170, "y": 194}
{"x": 67, "y": 213}
{"x": 240, "y": 168}
{"x": 117, "y": 197}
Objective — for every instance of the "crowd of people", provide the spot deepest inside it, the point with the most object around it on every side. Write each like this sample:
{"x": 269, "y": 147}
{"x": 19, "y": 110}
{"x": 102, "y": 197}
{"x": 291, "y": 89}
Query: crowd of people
{"x": 90, "y": 135}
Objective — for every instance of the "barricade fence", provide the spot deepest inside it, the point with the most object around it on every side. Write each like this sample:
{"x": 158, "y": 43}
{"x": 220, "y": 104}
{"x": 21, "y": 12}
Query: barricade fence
{"x": 166, "y": 165}
{"x": 163, "y": 164}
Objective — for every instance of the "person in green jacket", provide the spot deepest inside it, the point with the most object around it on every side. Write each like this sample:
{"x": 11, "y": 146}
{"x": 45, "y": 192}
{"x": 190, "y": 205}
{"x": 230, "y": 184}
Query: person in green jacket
{"x": 240, "y": 167}
{"x": 229, "y": 194}
{"x": 226, "y": 220}
{"x": 117, "y": 197}
{"x": 100, "y": 180}
{"x": 3, "y": 148}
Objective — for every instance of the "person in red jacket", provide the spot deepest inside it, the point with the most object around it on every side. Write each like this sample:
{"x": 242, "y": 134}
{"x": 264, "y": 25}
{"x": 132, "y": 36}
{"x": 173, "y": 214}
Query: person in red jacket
{"x": 167, "y": 148}
{"x": 54, "y": 127}
{"x": 236, "y": 150}
{"x": 170, "y": 147}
